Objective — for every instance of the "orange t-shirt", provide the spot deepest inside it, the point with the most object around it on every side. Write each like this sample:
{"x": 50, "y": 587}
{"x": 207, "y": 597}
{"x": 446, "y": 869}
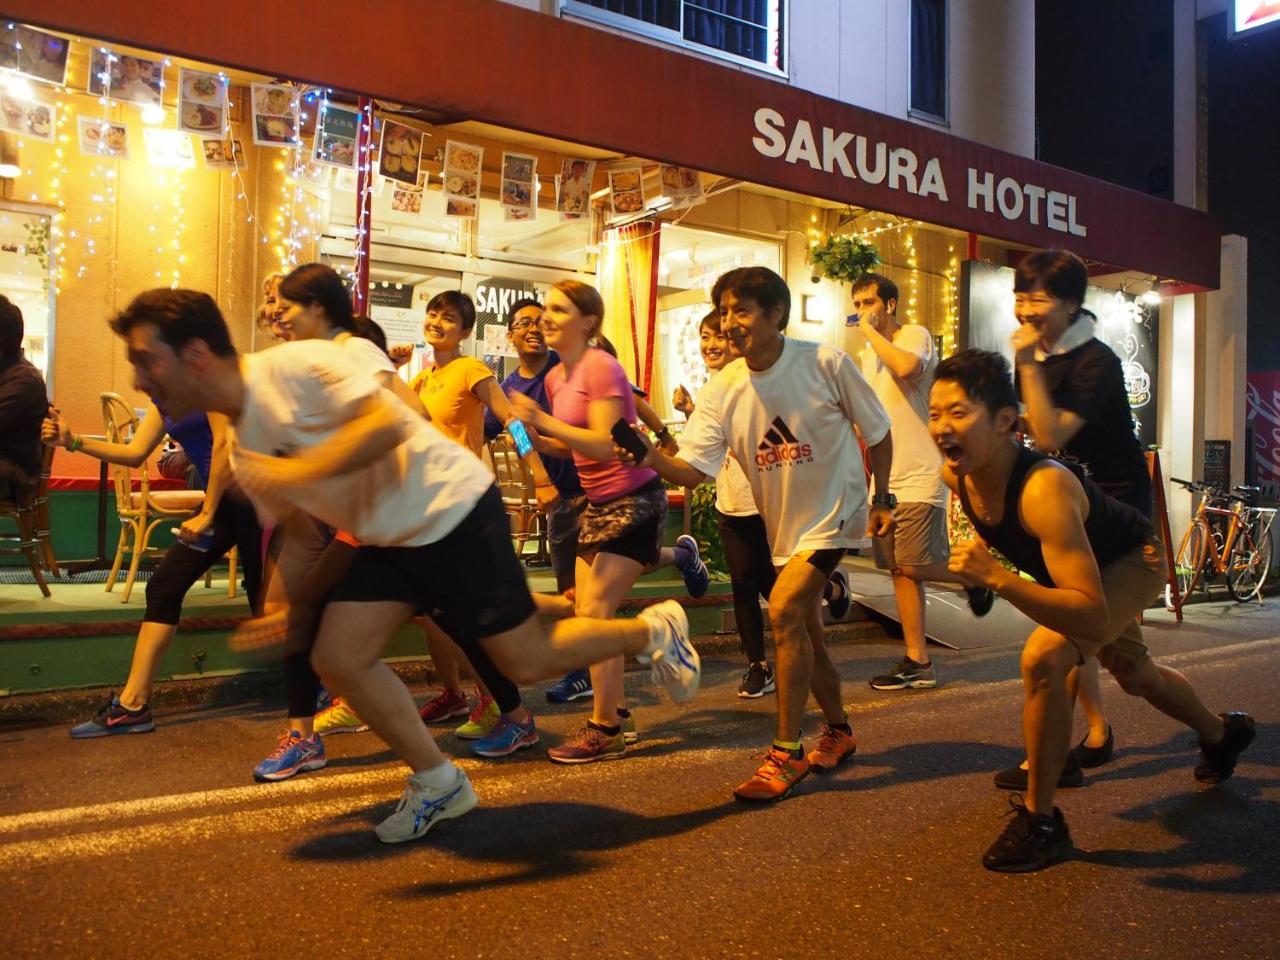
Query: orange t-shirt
{"x": 447, "y": 393}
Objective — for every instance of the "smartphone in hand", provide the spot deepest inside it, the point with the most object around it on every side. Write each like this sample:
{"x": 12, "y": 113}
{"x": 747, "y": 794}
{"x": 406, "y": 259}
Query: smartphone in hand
{"x": 625, "y": 436}
{"x": 201, "y": 543}
{"x": 520, "y": 436}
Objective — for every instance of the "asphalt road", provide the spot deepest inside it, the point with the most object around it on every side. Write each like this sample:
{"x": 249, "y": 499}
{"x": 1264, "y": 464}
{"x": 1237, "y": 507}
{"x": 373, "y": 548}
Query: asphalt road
{"x": 161, "y": 846}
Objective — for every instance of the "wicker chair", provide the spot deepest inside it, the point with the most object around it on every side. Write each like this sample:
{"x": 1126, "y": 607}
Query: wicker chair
{"x": 515, "y": 482}
{"x": 141, "y": 512}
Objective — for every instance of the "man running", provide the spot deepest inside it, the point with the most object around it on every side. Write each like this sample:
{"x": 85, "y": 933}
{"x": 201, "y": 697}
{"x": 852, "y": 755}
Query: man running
{"x": 787, "y": 410}
{"x": 1096, "y": 564}
{"x": 311, "y": 432}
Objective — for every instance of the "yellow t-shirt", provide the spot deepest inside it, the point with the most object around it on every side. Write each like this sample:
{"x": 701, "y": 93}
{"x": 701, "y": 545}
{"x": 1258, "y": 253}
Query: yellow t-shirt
{"x": 447, "y": 394}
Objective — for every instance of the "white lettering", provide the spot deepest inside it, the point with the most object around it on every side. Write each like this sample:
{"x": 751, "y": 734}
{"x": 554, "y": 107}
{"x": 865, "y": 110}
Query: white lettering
{"x": 1035, "y": 195}
{"x": 1055, "y": 211}
{"x": 803, "y": 146}
{"x": 931, "y": 181}
{"x": 771, "y": 141}
{"x": 860, "y": 158}
{"x": 985, "y": 190}
{"x": 833, "y": 152}
{"x": 1078, "y": 229}
{"x": 902, "y": 166}
{"x": 1009, "y": 198}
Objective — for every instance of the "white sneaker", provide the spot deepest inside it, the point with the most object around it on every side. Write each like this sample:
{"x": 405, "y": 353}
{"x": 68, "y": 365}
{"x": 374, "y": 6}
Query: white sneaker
{"x": 422, "y": 807}
{"x": 674, "y": 662}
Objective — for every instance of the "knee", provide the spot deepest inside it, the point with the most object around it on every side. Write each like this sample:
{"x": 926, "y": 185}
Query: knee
{"x": 1132, "y": 677}
{"x": 333, "y": 662}
{"x": 164, "y": 600}
{"x": 786, "y": 622}
{"x": 1047, "y": 658}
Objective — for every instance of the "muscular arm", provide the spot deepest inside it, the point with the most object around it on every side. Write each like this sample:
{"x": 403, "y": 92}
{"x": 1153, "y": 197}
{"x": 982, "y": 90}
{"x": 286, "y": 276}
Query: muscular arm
{"x": 491, "y": 395}
{"x": 594, "y": 441}
{"x": 903, "y": 363}
{"x": 146, "y": 438}
{"x": 1051, "y": 427}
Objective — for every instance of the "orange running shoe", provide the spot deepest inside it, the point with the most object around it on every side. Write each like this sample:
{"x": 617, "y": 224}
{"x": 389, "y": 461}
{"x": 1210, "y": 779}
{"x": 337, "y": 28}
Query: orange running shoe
{"x": 834, "y": 748}
{"x": 775, "y": 779}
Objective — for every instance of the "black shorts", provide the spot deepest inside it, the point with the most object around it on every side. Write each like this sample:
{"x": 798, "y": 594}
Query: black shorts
{"x": 630, "y": 526}
{"x": 470, "y": 581}
{"x": 827, "y": 560}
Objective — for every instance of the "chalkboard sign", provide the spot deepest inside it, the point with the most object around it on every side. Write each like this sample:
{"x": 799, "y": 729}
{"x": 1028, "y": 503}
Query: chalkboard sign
{"x": 1125, "y": 324}
{"x": 1217, "y": 463}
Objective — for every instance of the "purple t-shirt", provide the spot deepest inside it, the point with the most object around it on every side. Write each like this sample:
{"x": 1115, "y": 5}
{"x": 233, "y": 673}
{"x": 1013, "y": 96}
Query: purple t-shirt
{"x": 597, "y": 376}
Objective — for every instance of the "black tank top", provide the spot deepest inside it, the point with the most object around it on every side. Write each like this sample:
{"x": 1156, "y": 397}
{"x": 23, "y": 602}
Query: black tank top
{"x": 1113, "y": 528}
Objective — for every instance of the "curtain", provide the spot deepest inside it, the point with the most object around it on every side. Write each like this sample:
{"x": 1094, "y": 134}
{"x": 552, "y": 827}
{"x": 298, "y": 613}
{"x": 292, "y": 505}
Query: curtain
{"x": 663, "y": 13}
{"x": 629, "y": 285}
{"x": 929, "y": 56}
{"x": 718, "y": 24}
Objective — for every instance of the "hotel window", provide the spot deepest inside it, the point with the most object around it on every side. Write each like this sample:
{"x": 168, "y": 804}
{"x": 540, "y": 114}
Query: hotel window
{"x": 928, "y": 85}
{"x": 749, "y": 32}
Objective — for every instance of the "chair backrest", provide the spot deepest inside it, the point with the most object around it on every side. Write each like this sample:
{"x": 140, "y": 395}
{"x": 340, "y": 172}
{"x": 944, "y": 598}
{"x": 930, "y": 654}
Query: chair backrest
{"x": 46, "y": 471}
{"x": 513, "y": 479}
{"x": 119, "y": 422}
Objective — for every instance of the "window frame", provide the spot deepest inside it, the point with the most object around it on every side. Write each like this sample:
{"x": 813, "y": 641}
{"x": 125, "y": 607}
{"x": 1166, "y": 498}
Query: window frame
{"x": 916, "y": 113}
{"x": 581, "y": 11}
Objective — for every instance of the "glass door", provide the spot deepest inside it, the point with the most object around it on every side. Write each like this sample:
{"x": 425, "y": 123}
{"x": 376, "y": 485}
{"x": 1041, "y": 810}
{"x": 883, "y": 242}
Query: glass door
{"x": 27, "y": 277}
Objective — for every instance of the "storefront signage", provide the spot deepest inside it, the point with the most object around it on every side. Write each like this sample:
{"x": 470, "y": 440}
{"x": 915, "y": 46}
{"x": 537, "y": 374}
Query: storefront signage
{"x": 1262, "y": 394}
{"x": 679, "y": 109}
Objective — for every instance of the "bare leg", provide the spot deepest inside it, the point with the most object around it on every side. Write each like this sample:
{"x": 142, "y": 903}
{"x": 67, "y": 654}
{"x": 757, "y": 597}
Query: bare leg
{"x": 153, "y": 640}
{"x": 792, "y": 603}
{"x": 602, "y": 583}
{"x": 1088, "y": 693}
{"x": 1169, "y": 692}
{"x": 825, "y": 684}
{"x": 1047, "y": 658}
{"x": 444, "y": 657}
{"x": 528, "y": 655}
{"x": 910, "y": 596}
{"x": 347, "y": 651}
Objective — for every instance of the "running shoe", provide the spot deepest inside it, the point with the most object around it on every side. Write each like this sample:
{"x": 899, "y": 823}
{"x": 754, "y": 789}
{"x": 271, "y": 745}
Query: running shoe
{"x": 627, "y": 720}
{"x": 112, "y": 718}
{"x": 444, "y": 707}
{"x": 834, "y": 748}
{"x": 981, "y": 600}
{"x": 294, "y": 754}
{"x": 906, "y": 674}
{"x": 694, "y": 570}
{"x": 587, "y": 745}
{"x": 484, "y": 717}
{"x": 1015, "y": 778}
{"x": 673, "y": 661}
{"x": 757, "y": 681}
{"x": 575, "y": 685}
{"x": 1031, "y": 841}
{"x": 421, "y": 807}
{"x": 338, "y": 717}
{"x": 1218, "y": 760}
{"x": 840, "y": 600}
{"x": 506, "y": 737}
{"x": 776, "y": 778}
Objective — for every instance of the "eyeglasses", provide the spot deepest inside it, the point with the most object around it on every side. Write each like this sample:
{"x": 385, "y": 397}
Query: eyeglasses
{"x": 526, "y": 323}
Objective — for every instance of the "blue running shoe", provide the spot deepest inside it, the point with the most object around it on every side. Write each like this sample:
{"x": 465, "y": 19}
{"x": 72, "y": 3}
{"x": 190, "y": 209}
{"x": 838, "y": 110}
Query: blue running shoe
{"x": 293, "y": 754}
{"x": 694, "y": 571}
{"x": 112, "y": 719}
{"x": 575, "y": 685}
{"x": 506, "y": 738}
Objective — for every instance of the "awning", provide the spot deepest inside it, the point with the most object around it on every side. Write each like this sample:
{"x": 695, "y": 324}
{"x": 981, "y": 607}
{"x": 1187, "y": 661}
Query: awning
{"x": 491, "y": 61}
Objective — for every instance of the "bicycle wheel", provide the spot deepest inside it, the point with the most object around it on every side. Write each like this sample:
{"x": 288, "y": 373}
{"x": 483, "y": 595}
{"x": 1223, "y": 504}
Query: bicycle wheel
{"x": 1189, "y": 564}
{"x": 1247, "y": 567}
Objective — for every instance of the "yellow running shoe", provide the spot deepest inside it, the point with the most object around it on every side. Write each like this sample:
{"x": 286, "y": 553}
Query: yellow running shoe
{"x": 338, "y": 717}
{"x": 482, "y": 720}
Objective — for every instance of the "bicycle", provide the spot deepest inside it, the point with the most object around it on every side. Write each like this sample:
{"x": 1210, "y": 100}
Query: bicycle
{"x": 1233, "y": 542}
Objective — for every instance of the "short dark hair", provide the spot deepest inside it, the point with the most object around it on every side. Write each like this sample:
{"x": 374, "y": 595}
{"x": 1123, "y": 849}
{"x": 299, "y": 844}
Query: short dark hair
{"x": 1059, "y": 272}
{"x": 518, "y": 306}
{"x": 179, "y": 317}
{"x": 11, "y": 328}
{"x": 886, "y": 289}
{"x": 983, "y": 375}
{"x": 314, "y": 283}
{"x": 759, "y": 284}
{"x": 459, "y": 301}
{"x": 710, "y": 319}
{"x": 366, "y": 328}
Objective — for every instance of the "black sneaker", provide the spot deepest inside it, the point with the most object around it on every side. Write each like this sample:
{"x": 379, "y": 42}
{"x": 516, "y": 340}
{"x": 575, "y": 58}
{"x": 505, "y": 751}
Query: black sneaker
{"x": 840, "y": 601}
{"x": 906, "y": 675}
{"x": 1031, "y": 841}
{"x": 112, "y": 718}
{"x": 1218, "y": 760}
{"x": 757, "y": 681}
{"x": 981, "y": 600}
{"x": 1015, "y": 778}
{"x": 1091, "y": 757}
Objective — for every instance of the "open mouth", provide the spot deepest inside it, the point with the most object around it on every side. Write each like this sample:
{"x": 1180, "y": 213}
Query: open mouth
{"x": 952, "y": 453}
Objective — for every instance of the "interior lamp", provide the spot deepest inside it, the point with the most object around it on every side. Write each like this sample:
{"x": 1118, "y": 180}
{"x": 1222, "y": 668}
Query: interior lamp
{"x": 153, "y": 114}
{"x": 1152, "y": 296}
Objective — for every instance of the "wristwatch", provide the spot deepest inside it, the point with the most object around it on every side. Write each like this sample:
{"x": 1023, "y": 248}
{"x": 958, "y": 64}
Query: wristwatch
{"x": 885, "y": 500}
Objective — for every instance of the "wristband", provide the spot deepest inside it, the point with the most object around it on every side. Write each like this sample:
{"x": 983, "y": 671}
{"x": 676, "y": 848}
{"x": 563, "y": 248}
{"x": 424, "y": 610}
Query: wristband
{"x": 77, "y": 442}
{"x": 663, "y": 434}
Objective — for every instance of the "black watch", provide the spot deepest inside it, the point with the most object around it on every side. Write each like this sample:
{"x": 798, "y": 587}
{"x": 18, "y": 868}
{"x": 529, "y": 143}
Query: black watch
{"x": 885, "y": 500}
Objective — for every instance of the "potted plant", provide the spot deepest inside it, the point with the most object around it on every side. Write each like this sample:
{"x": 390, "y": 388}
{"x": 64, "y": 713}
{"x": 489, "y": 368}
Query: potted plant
{"x": 843, "y": 259}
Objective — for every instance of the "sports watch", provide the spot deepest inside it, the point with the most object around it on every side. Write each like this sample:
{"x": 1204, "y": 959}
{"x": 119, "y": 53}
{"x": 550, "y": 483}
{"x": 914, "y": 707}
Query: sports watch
{"x": 885, "y": 500}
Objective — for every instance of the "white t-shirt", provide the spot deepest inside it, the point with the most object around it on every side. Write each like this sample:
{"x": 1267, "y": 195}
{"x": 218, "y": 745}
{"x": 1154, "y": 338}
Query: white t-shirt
{"x": 916, "y": 476}
{"x": 733, "y": 491}
{"x": 791, "y": 429}
{"x": 299, "y": 394}
{"x": 366, "y": 354}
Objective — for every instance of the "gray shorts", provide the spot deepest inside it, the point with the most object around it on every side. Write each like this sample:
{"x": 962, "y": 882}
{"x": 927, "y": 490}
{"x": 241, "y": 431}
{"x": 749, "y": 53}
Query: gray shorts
{"x": 918, "y": 538}
{"x": 564, "y": 520}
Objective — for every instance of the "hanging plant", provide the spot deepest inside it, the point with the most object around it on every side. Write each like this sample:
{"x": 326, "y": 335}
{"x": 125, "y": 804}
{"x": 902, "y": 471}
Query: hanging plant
{"x": 843, "y": 259}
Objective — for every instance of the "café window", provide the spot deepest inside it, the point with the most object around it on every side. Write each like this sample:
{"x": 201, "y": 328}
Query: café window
{"x": 928, "y": 83}
{"x": 744, "y": 31}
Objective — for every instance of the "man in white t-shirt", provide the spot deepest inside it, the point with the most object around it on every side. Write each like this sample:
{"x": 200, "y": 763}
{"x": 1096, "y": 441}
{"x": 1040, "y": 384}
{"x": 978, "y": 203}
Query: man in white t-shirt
{"x": 314, "y": 432}
{"x": 899, "y": 364}
{"x": 787, "y": 410}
